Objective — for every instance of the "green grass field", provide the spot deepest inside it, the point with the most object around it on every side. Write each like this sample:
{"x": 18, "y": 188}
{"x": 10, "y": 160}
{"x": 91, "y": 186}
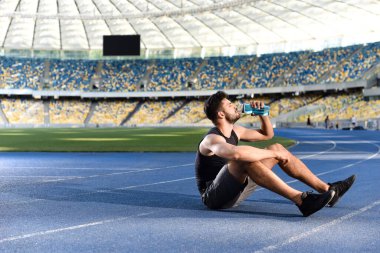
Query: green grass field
{"x": 109, "y": 140}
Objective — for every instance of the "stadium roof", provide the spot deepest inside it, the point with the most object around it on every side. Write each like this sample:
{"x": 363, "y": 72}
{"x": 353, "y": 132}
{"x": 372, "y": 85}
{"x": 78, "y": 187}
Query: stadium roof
{"x": 189, "y": 27}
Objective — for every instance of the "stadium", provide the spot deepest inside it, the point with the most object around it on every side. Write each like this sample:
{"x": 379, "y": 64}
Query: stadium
{"x": 60, "y": 92}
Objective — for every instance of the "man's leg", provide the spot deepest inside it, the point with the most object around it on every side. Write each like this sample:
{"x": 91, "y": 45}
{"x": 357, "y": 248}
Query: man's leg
{"x": 308, "y": 203}
{"x": 296, "y": 169}
{"x": 264, "y": 177}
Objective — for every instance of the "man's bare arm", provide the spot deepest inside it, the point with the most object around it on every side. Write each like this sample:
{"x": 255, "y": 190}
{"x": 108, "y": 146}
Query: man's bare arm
{"x": 214, "y": 144}
{"x": 265, "y": 133}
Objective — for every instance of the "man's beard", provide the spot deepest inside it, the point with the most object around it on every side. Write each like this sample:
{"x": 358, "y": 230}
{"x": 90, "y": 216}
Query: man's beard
{"x": 232, "y": 118}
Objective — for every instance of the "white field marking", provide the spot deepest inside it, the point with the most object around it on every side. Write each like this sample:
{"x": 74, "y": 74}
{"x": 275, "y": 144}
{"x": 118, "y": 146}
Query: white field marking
{"x": 88, "y": 168}
{"x": 100, "y": 191}
{"x": 319, "y": 153}
{"x": 130, "y": 170}
{"x": 81, "y": 226}
{"x": 308, "y": 233}
{"x": 340, "y": 168}
{"x": 324, "y": 136}
{"x": 142, "y": 185}
{"x": 117, "y": 173}
{"x": 65, "y": 177}
{"x": 62, "y": 168}
{"x": 355, "y": 163}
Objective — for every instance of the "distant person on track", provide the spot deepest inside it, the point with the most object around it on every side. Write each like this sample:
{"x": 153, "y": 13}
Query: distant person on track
{"x": 327, "y": 122}
{"x": 353, "y": 122}
{"x": 227, "y": 174}
{"x": 308, "y": 121}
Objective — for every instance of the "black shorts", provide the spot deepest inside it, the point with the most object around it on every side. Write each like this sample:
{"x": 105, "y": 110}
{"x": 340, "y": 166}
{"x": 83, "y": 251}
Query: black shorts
{"x": 223, "y": 191}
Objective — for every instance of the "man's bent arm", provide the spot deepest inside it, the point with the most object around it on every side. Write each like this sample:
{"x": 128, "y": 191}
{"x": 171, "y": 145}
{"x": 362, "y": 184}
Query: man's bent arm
{"x": 265, "y": 133}
{"x": 219, "y": 147}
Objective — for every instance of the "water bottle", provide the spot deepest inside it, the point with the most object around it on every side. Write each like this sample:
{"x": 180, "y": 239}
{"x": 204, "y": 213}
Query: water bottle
{"x": 248, "y": 109}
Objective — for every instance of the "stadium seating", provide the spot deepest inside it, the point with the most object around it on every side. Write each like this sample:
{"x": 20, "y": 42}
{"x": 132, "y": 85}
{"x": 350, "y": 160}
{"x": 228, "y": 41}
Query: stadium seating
{"x": 112, "y": 112}
{"x": 154, "y": 112}
{"x": 318, "y": 64}
{"x": 19, "y": 73}
{"x": 71, "y": 75}
{"x": 68, "y": 111}
{"x": 191, "y": 113}
{"x": 181, "y": 111}
{"x": 268, "y": 68}
{"x": 355, "y": 67}
{"x": 297, "y": 68}
{"x": 172, "y": 75}
{"x": 342, "y": 107}
{"x": 23, "y": 111}
{"x": 122, "y": 75}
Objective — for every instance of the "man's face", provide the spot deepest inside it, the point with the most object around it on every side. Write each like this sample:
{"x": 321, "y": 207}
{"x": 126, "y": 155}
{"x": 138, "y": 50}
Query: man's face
{"x": 230, "y": 111}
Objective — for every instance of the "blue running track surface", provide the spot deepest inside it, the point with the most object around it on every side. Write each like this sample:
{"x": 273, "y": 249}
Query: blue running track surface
{"x": 148, "y": 202}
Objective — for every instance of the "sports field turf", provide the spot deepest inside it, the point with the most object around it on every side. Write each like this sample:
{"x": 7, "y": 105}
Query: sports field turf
{"x": 109, "y": 139}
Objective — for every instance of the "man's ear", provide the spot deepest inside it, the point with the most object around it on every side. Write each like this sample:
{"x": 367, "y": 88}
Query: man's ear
{"x": 221, "y": 115}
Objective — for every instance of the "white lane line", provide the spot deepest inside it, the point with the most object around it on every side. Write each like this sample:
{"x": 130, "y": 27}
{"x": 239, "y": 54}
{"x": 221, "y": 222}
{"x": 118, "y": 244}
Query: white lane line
{"x": 355, "y": 163}
{"x": 318, "y": 229}
{"x": 98, "y": 191}
{"x": 340, "y": 168}
{"x": 130, "y": 170}
{"x": 66, "y": 178}
{"x": 116, "y": 173}
{"x": 60, "y": 168}
{"x": 319, "y": 153}
{"x": 60, "y": 177}
{"x": 81, "y": 226}
{"x": 143, "y": 185}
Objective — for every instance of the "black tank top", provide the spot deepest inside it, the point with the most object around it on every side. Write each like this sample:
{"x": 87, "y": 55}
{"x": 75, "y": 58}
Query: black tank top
{"x": 207, "y": 167}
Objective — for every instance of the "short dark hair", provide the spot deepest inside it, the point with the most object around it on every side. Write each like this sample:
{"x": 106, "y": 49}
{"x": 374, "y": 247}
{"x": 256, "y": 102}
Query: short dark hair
{"x": 212, "y": 104}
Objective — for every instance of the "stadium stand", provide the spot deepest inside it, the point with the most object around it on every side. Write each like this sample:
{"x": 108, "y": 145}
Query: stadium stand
{"x": 172, "y": 75}
{"x": 190, "y": 113}
{"x": 181, "y": 111}
{"x": 71, "y": 75}
{"x": 339, "y": 107}
{"x": 112, "y": 112}
{"x": 122, "y": 75}
{"x": 284, "y": 69}
{"x": 68, "y": 111}
{"x": 20, "y": 73}
{"x": 354, "y": 67}
{"x": 23, "y": 111}
{"x": 154, "y": 112}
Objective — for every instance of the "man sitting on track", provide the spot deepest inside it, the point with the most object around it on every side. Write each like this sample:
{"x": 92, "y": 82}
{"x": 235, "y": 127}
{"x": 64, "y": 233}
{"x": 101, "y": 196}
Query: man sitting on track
{"x": 227, "y": 174}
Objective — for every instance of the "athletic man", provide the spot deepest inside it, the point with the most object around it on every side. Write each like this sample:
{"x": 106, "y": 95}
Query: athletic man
{"x": 226, "y": 173}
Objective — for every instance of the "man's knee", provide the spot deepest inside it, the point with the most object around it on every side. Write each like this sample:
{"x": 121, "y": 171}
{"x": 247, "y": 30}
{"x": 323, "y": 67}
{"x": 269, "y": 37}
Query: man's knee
{"x": 276, "y": 147}
{"x": 239, "y": 169}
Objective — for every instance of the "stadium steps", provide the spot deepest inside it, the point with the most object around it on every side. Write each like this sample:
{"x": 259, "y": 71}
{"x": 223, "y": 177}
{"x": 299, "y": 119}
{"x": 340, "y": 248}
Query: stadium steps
{"x": 46, "y": 104}
{"x": 91, "y": 112}
{"x": 243, "y": 74}
{"x": 2, "y": 115}
{"x": 330, "y": 73}
{"x": 282, "y": 80}
{"x": 195, "y": 77}
{"x": 130, "y": 115}
{"x": 293, "y": 115}
{"x": 372, "y": 72}
{"x": 174, "y": 111}
{"x": 146, "y": 79}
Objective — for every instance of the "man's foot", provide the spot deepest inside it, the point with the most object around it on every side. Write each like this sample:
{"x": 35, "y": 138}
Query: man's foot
{"x": 312, "y": 202}
{"x": 340, "y": 189}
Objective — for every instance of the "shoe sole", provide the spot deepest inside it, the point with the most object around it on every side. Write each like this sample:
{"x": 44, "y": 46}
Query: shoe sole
{"x": 334, "y": 203}
{"x": 326, "y": 202}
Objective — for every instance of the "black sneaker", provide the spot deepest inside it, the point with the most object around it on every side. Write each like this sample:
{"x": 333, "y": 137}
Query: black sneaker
{"x": 312, "y": 202}
{"x": 340, "y": 189}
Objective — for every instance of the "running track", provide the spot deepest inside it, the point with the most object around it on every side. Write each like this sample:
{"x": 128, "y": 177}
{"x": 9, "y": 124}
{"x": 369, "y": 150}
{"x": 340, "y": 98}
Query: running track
{"x": 148, "y": 202}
